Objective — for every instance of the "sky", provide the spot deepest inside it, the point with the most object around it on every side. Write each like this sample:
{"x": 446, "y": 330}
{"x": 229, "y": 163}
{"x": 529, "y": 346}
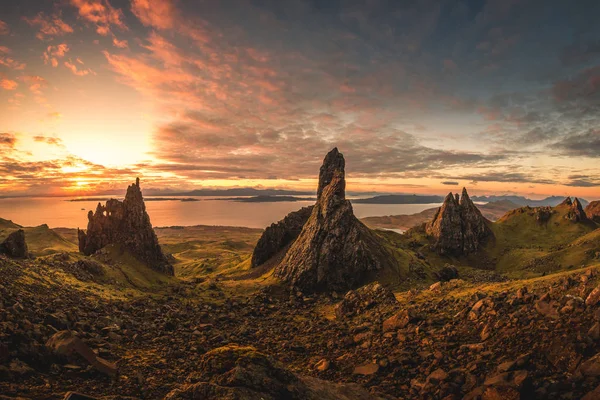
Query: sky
{"x": 500, "y": 96}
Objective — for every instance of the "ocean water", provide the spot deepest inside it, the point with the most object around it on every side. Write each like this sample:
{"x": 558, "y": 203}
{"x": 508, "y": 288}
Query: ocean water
{"x": 59, "y": 212}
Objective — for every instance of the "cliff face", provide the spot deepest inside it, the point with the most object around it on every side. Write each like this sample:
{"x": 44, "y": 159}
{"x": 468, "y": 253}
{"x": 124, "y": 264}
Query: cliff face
{"x": 458, "y": 226}
{"x": 279, "y": 235}
{"x": 127, "y": 224}
{"x": 334, "y": 251}
{"x": 593, "y": 211}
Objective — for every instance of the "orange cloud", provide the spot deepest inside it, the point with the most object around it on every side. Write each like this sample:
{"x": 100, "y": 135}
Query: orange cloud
{"x": 50, "y": 26}
{"x": 160, "y": 14}
{"x": 122, "y": 44}
{"x": 101, "y": 13}
{"x": 8, "y": 84}
{"x": 52, "y": 54}
{"x": 8, "y": 61}
{"x": 77, "y": 71}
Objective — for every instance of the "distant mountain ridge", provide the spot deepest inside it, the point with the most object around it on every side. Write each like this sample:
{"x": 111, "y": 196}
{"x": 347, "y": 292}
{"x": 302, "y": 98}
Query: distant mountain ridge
{"x": 429, "y": 199}
{"x": 551, "y": 201}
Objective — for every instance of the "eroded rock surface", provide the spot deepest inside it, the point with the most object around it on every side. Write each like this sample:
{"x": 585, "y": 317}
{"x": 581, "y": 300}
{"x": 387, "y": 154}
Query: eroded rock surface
{"x": 334, "y": 251}
{"x": 14, "y": 245}
{"x": 279, "y": 235}
{"x": 126, "y": 224}
{"x": 593, "y": 211}
{"x": 576, "y": 213}
{"x": 458, "y": 226}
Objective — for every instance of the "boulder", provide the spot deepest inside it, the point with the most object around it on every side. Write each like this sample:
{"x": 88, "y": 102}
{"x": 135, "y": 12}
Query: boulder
{"x": 234, "y": 372}
{"x": 14, "y": 245}
{"x": 458, "y": 226}
{"x": 126, "y": 224}
{"x": 334, "y": 251}
{"x": 447, "y": 273}
{"x": 65, "y": 344}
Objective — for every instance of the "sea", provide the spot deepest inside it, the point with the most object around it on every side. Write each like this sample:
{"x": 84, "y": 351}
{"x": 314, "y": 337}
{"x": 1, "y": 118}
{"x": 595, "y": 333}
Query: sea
{"x": 60, "y": 212}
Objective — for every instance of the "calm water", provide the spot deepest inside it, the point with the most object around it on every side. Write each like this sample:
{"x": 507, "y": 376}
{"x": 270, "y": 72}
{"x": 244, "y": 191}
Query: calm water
{"x": 57, "y": 212}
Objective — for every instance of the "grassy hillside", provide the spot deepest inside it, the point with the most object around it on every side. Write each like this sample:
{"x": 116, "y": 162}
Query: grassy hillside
{"x": 40, "y": 240}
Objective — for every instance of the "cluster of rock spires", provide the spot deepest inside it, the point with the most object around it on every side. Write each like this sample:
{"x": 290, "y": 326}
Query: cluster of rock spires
{"x": 125, "y": 223}
{"x": 575, "y": 213}
{"x": 458, "y": 226}
{"x": 330, "y": 248}
{"x": 14, "y": 245}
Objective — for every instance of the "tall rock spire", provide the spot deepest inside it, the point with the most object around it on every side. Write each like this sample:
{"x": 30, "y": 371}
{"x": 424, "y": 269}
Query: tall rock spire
{"x": 334, "y": 250}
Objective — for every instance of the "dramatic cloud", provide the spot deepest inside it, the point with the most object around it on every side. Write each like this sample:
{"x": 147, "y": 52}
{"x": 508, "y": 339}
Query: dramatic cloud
{"x": 7, "y": 61}
{"x": 77, "y": 70}
{"x": 49, "y": 140}
{"x": 100, "y": 13}
{"x": 8, "y": 84}
{"x": 53, "y": 53}
{"x": 583, "y": 145}
{"x": 49, "y": 26}
{"x": 450, "y": 183}
{"x": 7, "y": 140}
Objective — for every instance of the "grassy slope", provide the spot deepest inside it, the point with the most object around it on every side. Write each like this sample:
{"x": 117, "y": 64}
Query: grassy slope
{"x": 40, "y": 240}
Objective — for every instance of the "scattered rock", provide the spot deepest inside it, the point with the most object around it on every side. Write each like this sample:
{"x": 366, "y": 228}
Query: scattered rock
{"x": 364, "y": 298}
{"x": 366, "y": 369}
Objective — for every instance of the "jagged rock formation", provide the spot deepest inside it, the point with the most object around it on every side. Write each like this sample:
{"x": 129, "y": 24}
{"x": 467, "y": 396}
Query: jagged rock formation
{"x": 576, "y": 213}
{"x": 14, "y": 245}
{"x": 334, "y": 251}
{"x": 234, "y": 372}
{"x": 458, "y": 226}
{"x": 127, "y": 224}
{"x": 279, "y": 235}
{"x": 593, "y": 211}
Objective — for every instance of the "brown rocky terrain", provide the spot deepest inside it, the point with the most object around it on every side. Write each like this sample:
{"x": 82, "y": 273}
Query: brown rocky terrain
{"x": 593, "y": 211}
{"x": 514, "y": 340}
{"x": 125, "y": 224}
{"x": 458, "y": 226}
{"x": 334, "y": 251}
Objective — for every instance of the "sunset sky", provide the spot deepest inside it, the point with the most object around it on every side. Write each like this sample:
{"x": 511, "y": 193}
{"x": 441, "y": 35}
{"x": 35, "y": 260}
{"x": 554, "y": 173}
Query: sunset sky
{"x": 501, "y": 96}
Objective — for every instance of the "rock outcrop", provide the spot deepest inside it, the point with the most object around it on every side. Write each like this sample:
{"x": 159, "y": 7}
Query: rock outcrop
{"x": 234, "y": 372}
{"x": 14, "y": 245}
{"x": 334, "y": 251}
{"x": 279, "y": 235}
{"x": 593, "y": 211}
{"x": 575, "y": 213}
{"x": 126, "y": 224}
{"x": 458, "y": 226}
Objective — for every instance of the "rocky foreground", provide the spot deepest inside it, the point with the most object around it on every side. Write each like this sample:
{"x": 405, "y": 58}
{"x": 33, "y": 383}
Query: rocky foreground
{"x": 510, "y": 340}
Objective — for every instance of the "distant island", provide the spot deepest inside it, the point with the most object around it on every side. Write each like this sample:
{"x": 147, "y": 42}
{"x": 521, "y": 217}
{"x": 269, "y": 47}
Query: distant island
{"x": 243, "y": 192}
{"x": 268, "y": 199}
{"x": 400, "y": 199}
{"x": 146, "y": 199}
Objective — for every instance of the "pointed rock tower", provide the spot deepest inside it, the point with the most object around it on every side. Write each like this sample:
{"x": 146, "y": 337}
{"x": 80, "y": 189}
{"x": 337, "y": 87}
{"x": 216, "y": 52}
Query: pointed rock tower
{"x": 576, "y": 213}
{"x": 458, "y": 226}
{"x": 334, "y": 250}
{"x": 127, "y": 224}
